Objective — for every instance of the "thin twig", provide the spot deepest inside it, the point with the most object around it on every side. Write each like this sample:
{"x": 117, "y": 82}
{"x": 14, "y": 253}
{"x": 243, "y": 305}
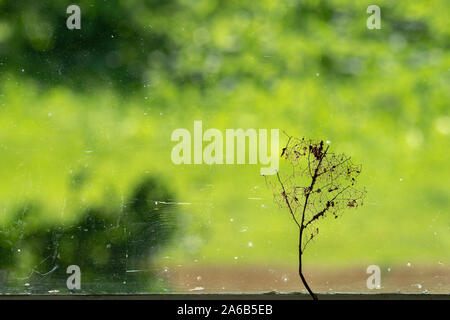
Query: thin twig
{"x": 287, "y": 201}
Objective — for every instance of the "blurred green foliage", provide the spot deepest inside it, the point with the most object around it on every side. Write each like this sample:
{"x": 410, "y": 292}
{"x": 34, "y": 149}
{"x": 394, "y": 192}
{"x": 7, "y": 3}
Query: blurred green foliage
{"x": 112, "y": 249}
{"x": 85, "y": 114}
{"x": 114, "y": 45}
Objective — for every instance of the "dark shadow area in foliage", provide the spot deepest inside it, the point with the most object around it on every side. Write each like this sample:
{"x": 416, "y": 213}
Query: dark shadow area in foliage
{"x": 112, "y": 48}
{"x": 113, "y": 249}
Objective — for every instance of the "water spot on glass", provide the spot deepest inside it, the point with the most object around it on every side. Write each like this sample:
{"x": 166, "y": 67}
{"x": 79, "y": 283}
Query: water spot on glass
{"x": 197, "y": 289}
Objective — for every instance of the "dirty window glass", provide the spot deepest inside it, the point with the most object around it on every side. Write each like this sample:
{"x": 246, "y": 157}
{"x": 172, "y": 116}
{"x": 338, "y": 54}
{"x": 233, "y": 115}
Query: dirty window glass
{"x": 195, "y": 146}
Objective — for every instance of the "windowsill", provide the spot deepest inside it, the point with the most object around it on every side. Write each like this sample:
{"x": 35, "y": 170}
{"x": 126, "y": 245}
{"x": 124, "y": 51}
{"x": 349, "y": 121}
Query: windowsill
{"x": 255, "y": 296}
